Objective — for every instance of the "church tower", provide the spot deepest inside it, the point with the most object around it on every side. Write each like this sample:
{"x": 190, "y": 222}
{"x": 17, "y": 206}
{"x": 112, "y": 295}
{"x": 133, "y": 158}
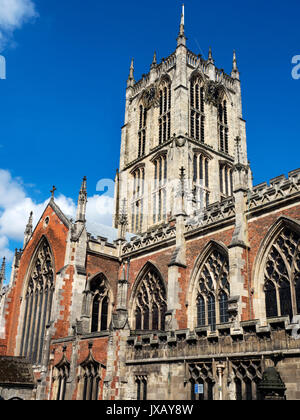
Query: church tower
{"x": 184, "y": 113}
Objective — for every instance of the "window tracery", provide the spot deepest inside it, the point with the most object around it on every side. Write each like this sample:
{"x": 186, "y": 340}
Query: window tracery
{"x": 38, "y": 303}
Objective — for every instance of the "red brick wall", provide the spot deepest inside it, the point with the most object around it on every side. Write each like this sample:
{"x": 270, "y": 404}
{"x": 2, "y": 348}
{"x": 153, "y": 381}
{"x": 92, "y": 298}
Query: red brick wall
{"x": 56, "y": 234}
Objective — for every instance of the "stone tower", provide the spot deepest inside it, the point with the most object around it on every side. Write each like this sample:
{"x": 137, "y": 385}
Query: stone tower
{"x": 185, "y": 113}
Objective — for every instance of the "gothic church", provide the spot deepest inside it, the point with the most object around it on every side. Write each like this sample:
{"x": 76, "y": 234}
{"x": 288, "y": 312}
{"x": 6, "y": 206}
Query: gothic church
{"x": 206, "y": 293}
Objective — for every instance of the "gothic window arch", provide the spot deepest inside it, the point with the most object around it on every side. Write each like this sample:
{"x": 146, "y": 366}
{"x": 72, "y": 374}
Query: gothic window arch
{"x": 100, "y": 304}
{"x": 201, "y": 179}
{"x": 197, "y": 109}
{"x": 202, "y": 374}
{"x": 150, "y": 302}
{"x": 282, "y": 275}
{"x": 247, "y": 377}
{"x": 213, "y": 290}
{"x": 90, "y": 378}
{"x": 226, "y": 179}
{"x": 60, "y": 378}
{"x": 142, "y": 131}
{"x": 223, "y": 128}
{"x": 37, "y": 303}
{"x": 137, "y": 204}
{"x": 164, "y": 121}
{"x": 160, "y": 188}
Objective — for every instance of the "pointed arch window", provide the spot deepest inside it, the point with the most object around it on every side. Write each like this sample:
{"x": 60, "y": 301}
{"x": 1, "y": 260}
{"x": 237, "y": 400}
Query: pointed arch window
{"x": 101, "y": 305}
{"x": 137, "y": 204}
{"x": 223, "y": 127}
{"x": 160, "y": 188}
{"x": 197, "y": 109}
{"x": 164, "y": 121}
{"x": 213, "y": 290}
{"x": 282, "y": 276}
{"x": 142, "y": 132}
{"x": 38, "y": 303}
{"x": 150, "y": 303}
{"x": 202, "y": 374}
{"x": 61, "y": 375}
{"x": 201, "y": 180}
{"x": 247, "y": 376}
{"x": 90, "y": 378}
{"x": 226, "y": 179}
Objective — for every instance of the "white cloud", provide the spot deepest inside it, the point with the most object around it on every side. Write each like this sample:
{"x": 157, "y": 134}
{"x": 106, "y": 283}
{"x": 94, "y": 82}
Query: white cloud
{"x": 13, "y": 15}
{"x": 16, "y": 205}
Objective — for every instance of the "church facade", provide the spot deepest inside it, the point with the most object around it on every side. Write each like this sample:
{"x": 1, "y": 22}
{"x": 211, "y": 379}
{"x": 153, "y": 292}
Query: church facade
{"x": 204, "y": 301}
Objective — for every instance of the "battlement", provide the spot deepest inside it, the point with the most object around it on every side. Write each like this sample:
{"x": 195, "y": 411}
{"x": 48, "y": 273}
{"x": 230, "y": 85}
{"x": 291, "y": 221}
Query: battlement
{"x": 279, "y": 188}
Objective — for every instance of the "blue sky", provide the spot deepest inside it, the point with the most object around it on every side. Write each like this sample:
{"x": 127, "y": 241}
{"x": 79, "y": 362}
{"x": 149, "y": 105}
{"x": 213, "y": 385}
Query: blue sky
{"x": 62, "y": 104}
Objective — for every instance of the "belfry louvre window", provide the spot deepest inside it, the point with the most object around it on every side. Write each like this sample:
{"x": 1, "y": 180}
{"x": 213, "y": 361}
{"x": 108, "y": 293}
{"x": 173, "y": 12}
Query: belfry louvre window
{"x": 100, "y": 311}
{"x": 38, "y": 303}
{"x": 160, "y": 189}
{"x": 150, "y": 303}
{"x": 213, "y": 291}
{"x": 226, "y": 179}
{"x": 164, "y": 121}
{"x": 282, "y": 276}
{"x": 137, "y": 205}
{"x": 201, "y": 180}
{"x": 142, "y": 131}
{"x": 223, "y": 127}
{"x": 197, "y": 110}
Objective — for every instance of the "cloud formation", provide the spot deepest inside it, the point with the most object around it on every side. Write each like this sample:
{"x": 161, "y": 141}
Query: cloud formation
{"x": 13, "y": 15}
{"x": 16, "y": 205}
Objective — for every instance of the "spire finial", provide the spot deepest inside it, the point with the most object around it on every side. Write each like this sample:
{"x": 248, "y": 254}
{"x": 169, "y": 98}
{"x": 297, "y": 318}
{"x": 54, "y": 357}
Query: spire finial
{"x": 235, "y": 71}
{"x": 182, "y": 17}
{"x": 28, "y": 230}
{"x": 2, "y": 272}
{"x": 181, "y": 40}
{"x": 154, "y": 61}
{"x": 123, "y": 220}
{"x": 238, "y": 151}
{"x": 210, "y": 56}
{"x": 130, "y": 81}
{"x": 82, "y": 201}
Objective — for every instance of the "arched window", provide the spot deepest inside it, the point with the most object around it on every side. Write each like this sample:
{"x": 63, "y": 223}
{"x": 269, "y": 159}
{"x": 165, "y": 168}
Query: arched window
{"x": 213, "y": 287}
{"x": 282, "y": 276}
{"x": 160, "y": 188}
{"x": 150, "y": 303}
{"x": 91, "y": 379}
{"x": 142, "y": 131}
{"x": 100, "y": 311}
{"x": 197, "y": 111}
{"x": 226, "y": 179}
{"x": 223, "y": 127}
{"x": 60, "y": 378}
{"x": 202, "y": 375}
{"x": 164, "y": 121}
{"x": 137, "y": 203}
{"x": 247, "y": 376}
{"x": 201, "y": 180}
{"x": 38, "y": 303}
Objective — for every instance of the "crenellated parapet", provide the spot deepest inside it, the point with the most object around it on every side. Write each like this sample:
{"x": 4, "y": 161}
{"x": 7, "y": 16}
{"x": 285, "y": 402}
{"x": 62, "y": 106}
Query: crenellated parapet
{"x": 157, "y": 236}
{"x": 281, "y": 189}
{"x": 212, "y": 214}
